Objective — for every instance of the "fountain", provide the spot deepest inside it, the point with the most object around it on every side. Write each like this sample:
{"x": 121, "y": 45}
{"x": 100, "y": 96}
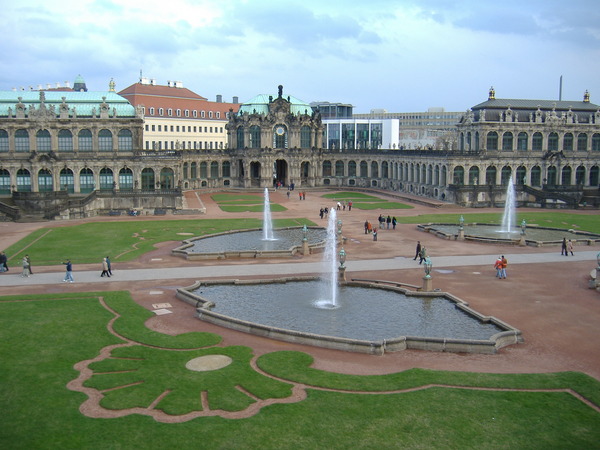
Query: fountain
{"x": 330, "y": 258}
{"x": 509, "y": 208}
{"x": 267, "y": 222}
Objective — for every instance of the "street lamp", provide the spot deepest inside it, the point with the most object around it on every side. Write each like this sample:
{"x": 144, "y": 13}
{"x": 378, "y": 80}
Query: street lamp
{"x": 523, "y": 226}
{"x": 343, "y": 258}
{"x": 305, "y": 233}
{"x": 598, "y": 259}
{"x": 461, "y": 222}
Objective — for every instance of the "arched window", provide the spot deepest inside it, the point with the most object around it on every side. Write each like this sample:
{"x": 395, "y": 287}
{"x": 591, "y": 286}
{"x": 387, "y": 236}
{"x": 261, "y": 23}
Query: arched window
{"x": 23, "y": 180}
{"x": 105, "y": 141}
{"x": 326, "y": 168}
{"x": 374, "y": 169}
{"x": 148, "y": 179}
{"x": 203, "y": 170}
{"x": 84, "y": 141}
{"x": 565, "y": 178}
{"x": 21, "y": 141}
{"x": 86, "y": 181}
{"x": 364, "y": 169}
{"x": 568, "y": 142}
{"x": 66, "y": 180}
{"x": 125, "y": 140}
{"x": 45, "y": 182}
{"x": 65, "y": 141}
{"x": 537, "y": 141}
{"x": 507, "y": 141}
{"x": 194, "y": 171}
{"x": 594, "y": 176}
{"x": 126, "y": 179}
{"x": 240, "y": 137}
{"x": 553, "y": 142}
{"x": 214, "y": 169}
{"x": 169, "y": 112}
{"x": 254, "y": 136}
{"x": 477, "y": 141}
{"x": 226, "y": 169}
{"x": 492, "y": 140}
{"x": 178, "y": 112}
{"x": 3, "y": 141}
{"x": 43, "y": 141}
{"x": 582, "y": 142}
{"x": 305, "y": 137}
{"x": 551, "y": 181}
{"x": 161, "y": 111}
{"x": 339, "y": 168}
{"x": 505, "y": 175}
{"x": 580, "y": 175}
{"x": 107, "y": 179}
{"x": 167, "y": 178}
{"x": 596, "y": 142}
{"x": 522, "y": 141}
{"x": 185, "y": 170}
{"x": 490, "y": 176}
{"x": 521, "y": 175}
{"x": 459, "y": 175}
{"x": 352, "y": 168}
{"x": 280, "y": 137}
{"x": 4, "y": 181}
{"x": 536, "y": 176}
{"x": 474, "y": 175}
{"x": 384, "y": 170}
{"x": 202, "y": 114}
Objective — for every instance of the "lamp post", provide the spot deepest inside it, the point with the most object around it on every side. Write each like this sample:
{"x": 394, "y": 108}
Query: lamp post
{"x": 342, "y": 268}
{"x": 522, "y": 242}
{"x": 339, "y": 231}
{"x": 461, "y": 228}
{"x": 427, "y": 280}
{"x": 305, "y": 248}
{"x": 598, "y": 271}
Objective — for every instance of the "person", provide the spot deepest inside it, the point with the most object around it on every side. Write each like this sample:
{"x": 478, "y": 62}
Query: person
{"x": 570, "y": 247}
{"x": 29, "y": 264}
{"x": 321, "y": 212}
{"x": 504, "y": 264}
{"x": 498, "y": 267}
{"x": 69, "y": 273}
{"x": 288, "y": 194}
{"x": 388, "y": 220}
{"x": 375, "y": 234}
{"x": 104, "y": 268}
{"x": 3, "y": 262}
{"x": 394, "y": 222}
{"x": 109, "y": 265}
{"x": 563, "y": 250}
{"x": 25, "y": 264}
{"x": 303, "y": 195}
{"x": 350, "y": 205}
{"x": 339, "y": 206}
{"x": 369, "y": 227}
{"x": 418, "y": 251}
{"x": 422, "y": 255}
{"x": 366, "y": 227}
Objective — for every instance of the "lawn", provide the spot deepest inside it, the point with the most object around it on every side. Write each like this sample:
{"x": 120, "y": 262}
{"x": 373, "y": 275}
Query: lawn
{"x": 122, "y": 241}
{"x": 365, "y": 201}
{"x": 244, "y": 203}
{"x": 41, "y": 339}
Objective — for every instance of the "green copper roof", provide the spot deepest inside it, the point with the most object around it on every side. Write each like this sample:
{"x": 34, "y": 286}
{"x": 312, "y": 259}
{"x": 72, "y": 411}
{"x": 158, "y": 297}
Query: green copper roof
{"x": 81, "y": 103}
{"x": 260, "y": 105}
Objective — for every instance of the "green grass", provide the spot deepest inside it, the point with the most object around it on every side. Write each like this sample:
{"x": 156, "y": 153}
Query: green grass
{"x": 42, "y": 337}
{"x": 366, "y": 202}
{"x": 122, "y": 241}
{"x": 244, "y": 203}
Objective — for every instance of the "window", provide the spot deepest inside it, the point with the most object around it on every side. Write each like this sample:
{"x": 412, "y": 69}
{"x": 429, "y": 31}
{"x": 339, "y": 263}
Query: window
{"x": 21, "y": 141}
{"x": 3, "y": 141}
{"x": 203, "y": 170}
{"x": 214, "y": 169}
{"x": 65, "y": 141}
{"x": 254, "y": 136}
{"x": 305, "y": 137}
{"x": 161, "y": 111}
{"x": 568, "y": 142}
{"x": 326, "y": 168}
{"x": 364, "y": 169}
{"x": 105, "y": 141}
{"x": 160, "y": 128}
{"x": 147, "y": 127}
{"x": 106, "y": 179}
{"x": 536, "y": 176}
{"x": 507, "y": 141}
{"x": 43, "y": 141}
{"x": 522, "y": 141}
{"x": 553, "y": 142}
{"x": 202, "y": 115}
{"x": 374, "y": 169}
{"x": 210, "y": 114}
{"x": 178, "y": 112}
{"x": 537, "y": 141}
{"x": 126, "y": 179}
{"x": 169, "y": 112}
{"x": 226, "y": 168}
{"x": 492, "y": 140}
{"x": 84, "y": 141}
{"x": 23, "y": 180}
{"x": 339, "y": 168}
{"x": 194, "y": 114}
{"x": 582, "y": 142}
{"x": 194, "y": 170}
{"x": 459, "y": 175}
{"x": 125, "y": 140}
{"x": 240, "y": 137}
{"x": 4, "y": 181}
{"x": 490, "y": 175}
{"x": 596, "y": 142}
{"x": 218, "y": 115}
{"x": 45, "y": 182}
{"x": 152, "y": 110}
{"x": 474, "y": 175}
{"x": 352, "y": 168}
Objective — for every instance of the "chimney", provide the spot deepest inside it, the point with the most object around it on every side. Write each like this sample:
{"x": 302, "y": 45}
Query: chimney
{"x": 219, "y": 98}
{"x": 178, "y": 84}
{"x": 68, "y": 84}
{"x": 235, "y": 100}
{"x": 48, "y": 86}
{"x": 40, "y": 87}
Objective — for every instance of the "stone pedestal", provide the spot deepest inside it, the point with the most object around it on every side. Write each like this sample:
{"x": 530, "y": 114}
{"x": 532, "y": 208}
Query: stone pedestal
{"x": 522, "y": 242}
{"x": 342, "y": 274}
{"x": 461, "y": 235}
{"x": 305, "y": 248}
{"x": 427, "y": 283}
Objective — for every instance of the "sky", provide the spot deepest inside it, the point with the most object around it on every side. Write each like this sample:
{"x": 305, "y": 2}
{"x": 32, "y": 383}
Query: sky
{"x": 397, "y": 55}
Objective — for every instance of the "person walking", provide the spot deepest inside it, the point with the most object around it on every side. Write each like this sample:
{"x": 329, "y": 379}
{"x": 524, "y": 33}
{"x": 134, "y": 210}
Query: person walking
{"x": 350, "y": 205}
{"x": 564, "y": 250}
{"x": 29, "y": 264}
{"x": 375, "y": 234}
{"x": 366, "y": 227}
{"x": 418, "y": 251}
{"x": 3, "y": 262}
{"x": 104, "y": 269}
{"x": 394, "y": 222}
{"x": 388, "y": 221}
{"x": 25, "y": 265}
{"x": 69, "y": 273}
{"x": 422, "y": 255}
{"x": 504, "y": 264}
{"x": 109, "y": 264}
{"x": 570, "y": 247}
{"x": 498, "y": 267}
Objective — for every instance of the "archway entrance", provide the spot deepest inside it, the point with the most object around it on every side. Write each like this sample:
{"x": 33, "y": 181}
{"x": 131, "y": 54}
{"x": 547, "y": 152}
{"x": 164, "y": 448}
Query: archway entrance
{"x": 280, "y": 172}
{"x": 254, "y": 173}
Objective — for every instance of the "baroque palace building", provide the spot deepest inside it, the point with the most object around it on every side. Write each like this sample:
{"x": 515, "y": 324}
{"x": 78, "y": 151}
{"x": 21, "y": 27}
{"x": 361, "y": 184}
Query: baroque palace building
{"x": 74, "y": 154}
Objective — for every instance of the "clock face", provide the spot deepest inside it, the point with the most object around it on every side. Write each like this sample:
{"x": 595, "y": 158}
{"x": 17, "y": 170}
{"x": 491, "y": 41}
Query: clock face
{"x": 280, "y": 130}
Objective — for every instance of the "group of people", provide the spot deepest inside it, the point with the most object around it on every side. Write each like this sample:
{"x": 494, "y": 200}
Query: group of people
{"x": 567, "y": 247}
{"x": 370, "y": 229}
{"x": 342, "y": 205}
{"x": 420, "y": 252}
{"x": 500, "y": 266}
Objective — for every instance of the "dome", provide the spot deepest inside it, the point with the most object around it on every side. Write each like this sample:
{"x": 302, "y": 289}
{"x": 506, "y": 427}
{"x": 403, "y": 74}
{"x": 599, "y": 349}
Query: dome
{"x": 260, "y": 105}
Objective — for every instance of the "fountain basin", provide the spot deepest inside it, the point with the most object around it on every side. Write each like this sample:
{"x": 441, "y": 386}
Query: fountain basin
{"x": 535, "y": 235}
{"x": 250, "y": 244}
{"x": 373, "y": 316}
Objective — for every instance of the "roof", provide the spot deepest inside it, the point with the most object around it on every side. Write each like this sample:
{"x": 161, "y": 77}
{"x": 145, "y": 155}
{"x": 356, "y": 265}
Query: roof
{"x": 260, "y": 105}
{"x": 81, "y": 102}
{"x": 504, "y": 103}
{"x": 156, "y": 90}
